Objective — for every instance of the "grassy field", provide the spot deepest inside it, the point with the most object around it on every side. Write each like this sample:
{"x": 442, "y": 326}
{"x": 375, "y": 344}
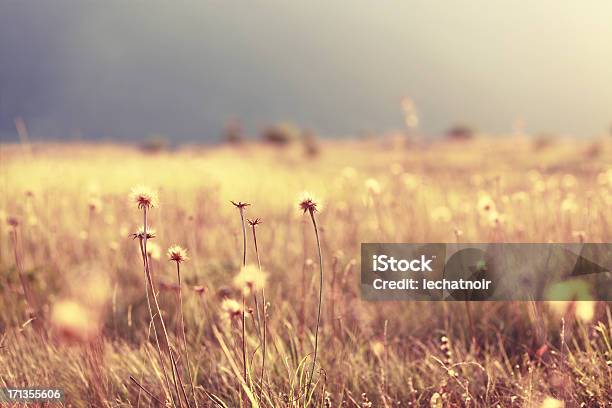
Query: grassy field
{"x": 76, "y": 301}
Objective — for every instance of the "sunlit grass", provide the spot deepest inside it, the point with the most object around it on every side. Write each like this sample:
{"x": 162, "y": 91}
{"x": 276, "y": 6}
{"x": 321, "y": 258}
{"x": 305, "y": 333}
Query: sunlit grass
{"x": 70, "y": 208}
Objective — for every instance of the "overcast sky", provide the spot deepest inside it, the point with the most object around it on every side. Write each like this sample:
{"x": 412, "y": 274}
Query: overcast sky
{"x": 131, "y": 68}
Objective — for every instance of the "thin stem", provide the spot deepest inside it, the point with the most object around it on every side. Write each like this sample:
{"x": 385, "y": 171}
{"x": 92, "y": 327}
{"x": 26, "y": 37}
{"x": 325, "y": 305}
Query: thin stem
{"x": 149, "y": 393}
{"x": 158, "y": 310}
{"x": 159, "y": 352}
{"x": 244, "y": 359}
{"x": 263, "y": 295}
{"x": 180, "y": 291}
{"x": 314, "y": 361}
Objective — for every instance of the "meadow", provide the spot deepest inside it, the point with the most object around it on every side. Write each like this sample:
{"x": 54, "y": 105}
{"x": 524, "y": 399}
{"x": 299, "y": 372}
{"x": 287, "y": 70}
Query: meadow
{"x": 77, "y": 310}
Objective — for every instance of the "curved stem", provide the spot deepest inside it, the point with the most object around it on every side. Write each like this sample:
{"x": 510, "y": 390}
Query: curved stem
{"x": 314, "y": 361}
{"x": 178, "y": 275}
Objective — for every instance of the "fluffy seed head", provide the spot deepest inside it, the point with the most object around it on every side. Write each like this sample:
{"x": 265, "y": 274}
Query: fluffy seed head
{"x": 250, "y": 278}
{"x": 73, "y": 321}
{"x": 231, "y": 307}
{"x": 177, "y": 254}
{"x": 153, "y": 250}
{"x": 144, "y": 197}
{"x": 307, "y": 202}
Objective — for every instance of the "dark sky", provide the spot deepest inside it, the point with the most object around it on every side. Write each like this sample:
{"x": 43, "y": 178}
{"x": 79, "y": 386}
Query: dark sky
{"x": 132, "y": 68}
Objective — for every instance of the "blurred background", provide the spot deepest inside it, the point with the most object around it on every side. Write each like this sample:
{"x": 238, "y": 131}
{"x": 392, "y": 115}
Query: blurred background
{"x": 129, "y": 69}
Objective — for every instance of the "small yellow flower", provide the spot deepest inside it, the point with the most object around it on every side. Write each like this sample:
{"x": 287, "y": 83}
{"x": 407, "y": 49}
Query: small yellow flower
{"x": 144, "y": 197}
{"x": 177, "y": 254}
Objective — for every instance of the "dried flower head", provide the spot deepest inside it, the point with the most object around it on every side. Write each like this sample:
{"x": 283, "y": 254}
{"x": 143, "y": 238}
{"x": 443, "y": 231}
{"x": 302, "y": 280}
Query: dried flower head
{"x": 144, "y": 197}
{"x": 250, "y": 279}
{"x": 177, "y": 254}
{"x": 253, "y": 222}
{"x": 308, "y": 202}
{"x": 140, "y": 233}
{"x": 240, "y": 204}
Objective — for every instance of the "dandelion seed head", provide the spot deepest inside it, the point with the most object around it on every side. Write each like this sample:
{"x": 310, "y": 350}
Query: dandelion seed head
{"x": 250, "y": 279}
{"x": 373, "y": 186}
{"x": 144, "y": 197}
{"x": 177, "y": 254}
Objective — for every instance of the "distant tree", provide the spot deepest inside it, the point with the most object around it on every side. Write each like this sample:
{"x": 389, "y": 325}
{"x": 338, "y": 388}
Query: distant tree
{"x": 154, "y": 144}
{"x": 311, "y": 144}
{"x": 280, "y": 134}
{"x": 460, "y": 131}
{"x": 233, "y": 131}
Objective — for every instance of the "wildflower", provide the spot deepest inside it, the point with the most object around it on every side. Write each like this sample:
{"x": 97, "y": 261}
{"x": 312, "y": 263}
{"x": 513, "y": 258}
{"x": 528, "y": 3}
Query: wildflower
{"x": 141, "y": 234}
{"x": 73, "y": 321}
{"x": 307, "y": 202}
{"x": 486, "y": 203}
{"x": 373, "y": 186}
{"x": 94, "y": 204}
{"x": 569, "y": 205}
{"x": 177, "y": 254}
{"x": 153, "y": 250}
{"x": 441, "y": 214}
{"x": 144, "y": 197}
{"x": 231, "y": 307}
{"x": 12, "y": 221}
{"x": 250, "y": 279}
{"x": 378, "y": 348}
{"x": 240, "y": 204}
{"x": 200, "y": 290}
{"x": 550, "y": 402}
{"x": 253, "y": 222}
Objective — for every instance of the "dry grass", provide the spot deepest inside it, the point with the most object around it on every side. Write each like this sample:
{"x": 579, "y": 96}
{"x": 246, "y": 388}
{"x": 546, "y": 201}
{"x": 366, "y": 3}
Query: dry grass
{"x": 74, "y": 245}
